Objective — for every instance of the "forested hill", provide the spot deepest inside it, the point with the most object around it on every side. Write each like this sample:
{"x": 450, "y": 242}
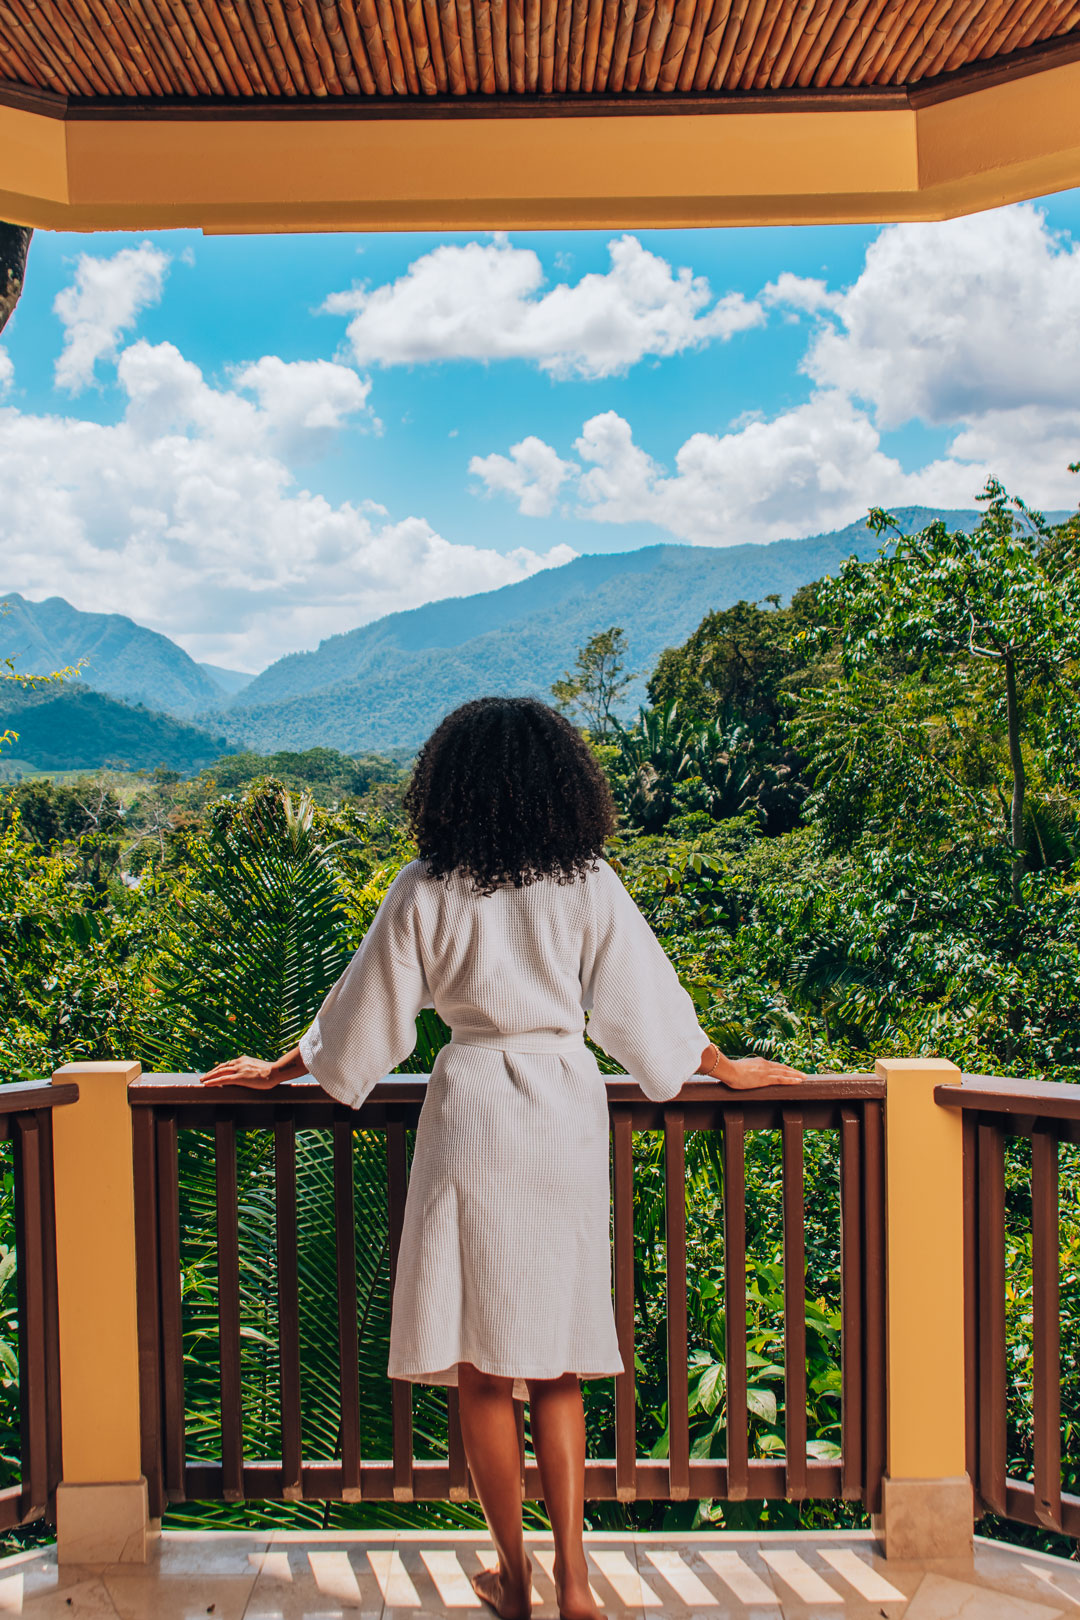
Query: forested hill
{"x": 119, "y": 657}
{"x": 386, "y": 684}
{"x": 389, "y": 682}
{"x": 66, "y": 726}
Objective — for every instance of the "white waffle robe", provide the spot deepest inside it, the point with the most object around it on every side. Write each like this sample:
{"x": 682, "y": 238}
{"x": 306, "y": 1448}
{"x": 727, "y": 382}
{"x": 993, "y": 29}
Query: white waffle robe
{"x": 505, "y": 1257}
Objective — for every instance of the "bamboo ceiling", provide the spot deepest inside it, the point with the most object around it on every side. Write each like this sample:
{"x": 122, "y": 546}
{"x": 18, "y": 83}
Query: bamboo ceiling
{"x": 303, "y": 49}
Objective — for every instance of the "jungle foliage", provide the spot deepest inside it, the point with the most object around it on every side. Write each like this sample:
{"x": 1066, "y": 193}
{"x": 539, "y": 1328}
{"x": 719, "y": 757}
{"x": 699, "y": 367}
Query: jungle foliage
{"x": 853, "y": 821}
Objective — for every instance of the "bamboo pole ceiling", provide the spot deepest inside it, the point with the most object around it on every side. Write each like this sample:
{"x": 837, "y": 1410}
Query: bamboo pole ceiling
{"x": 297, "y": 50}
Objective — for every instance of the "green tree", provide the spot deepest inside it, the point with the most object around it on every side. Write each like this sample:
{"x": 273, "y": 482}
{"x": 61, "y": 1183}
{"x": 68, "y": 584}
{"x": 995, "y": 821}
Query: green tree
{"x": 958, "y": 652}
{"x": 593, "y": 689}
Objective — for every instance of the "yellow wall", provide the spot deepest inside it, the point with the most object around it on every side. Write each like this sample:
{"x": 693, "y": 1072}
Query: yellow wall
{"x": 95, "y": 1273}
{"x": 925, "y": 1270}
{"x": 645, "y": 169}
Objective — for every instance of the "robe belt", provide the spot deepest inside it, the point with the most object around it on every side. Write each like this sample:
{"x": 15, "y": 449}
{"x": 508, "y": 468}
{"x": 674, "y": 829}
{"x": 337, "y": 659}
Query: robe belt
{"x": 541, "y": 1040}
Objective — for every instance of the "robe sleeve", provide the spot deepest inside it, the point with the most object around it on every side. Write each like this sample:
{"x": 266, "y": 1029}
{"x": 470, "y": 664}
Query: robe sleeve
{"x": 367, "y": 1024}
{"x": 641, "y": 1015}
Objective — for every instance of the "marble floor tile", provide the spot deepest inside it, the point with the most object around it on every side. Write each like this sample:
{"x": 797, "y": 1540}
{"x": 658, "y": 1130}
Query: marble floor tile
{"x": 145, "y": 1594}
{"x": 84, "y": 1599}
{"x": 741, "y": 1579}
{"x": 857, "y": 1570}
{"x": 1028, "y": 1574}
{"x": 941, "y": 1598}
{"x": 297, "y": 1581}
{"x": 793, "y": 1570}
{"x": 190, "y": 1552}
{"x": 623, "y": 1575}
{"x": 675, "y": 1568}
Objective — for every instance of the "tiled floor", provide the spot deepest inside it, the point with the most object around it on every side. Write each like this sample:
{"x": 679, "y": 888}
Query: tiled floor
{"x": 387, "y": 1576}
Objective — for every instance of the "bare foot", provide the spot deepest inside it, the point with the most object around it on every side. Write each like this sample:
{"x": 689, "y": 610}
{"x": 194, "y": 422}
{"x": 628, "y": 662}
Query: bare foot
{"x": 510, "y": 1598}
{"x": 574, "y": 1594}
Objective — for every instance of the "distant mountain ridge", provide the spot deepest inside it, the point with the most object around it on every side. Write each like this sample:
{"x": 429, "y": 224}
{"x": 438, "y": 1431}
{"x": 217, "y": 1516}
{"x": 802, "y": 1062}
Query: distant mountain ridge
{"x": 390, "y": 681}
{"x": 386, "y": 684}
{"x": 122, "y": 659}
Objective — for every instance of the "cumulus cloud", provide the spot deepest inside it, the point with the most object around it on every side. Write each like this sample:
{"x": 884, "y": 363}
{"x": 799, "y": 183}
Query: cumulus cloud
{"x": 7, "y": 371}
{"x": 486, "y": 301}
{"x": 813, "y": 468}
{"x": 185, "y": 515}
{"x": 101, "y": 303}
{"x": 804, "y": 471}
{"x": 305, "y": 401}
{"x": 532, "y": 473}
{"x": 972, "y": 325}
{"x": 947, "y": 322}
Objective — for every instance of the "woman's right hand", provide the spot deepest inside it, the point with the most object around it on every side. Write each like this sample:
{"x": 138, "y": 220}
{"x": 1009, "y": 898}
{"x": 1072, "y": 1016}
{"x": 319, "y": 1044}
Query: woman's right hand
{"x": 244, "y": 1071}
{"x": 753, "y": 1073}
{"x": 745, "y": 1074}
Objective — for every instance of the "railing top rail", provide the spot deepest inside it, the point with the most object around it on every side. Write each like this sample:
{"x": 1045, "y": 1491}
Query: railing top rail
{"x": 1038, "y": 1099}
{"x": 22, "y": 1095}
{"x": 176, "y": 1090}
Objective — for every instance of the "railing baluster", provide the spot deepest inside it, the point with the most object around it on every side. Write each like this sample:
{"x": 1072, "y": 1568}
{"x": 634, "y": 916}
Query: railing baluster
{"x": 348, "y": 1342}
{"x": 33, "y": 1395}
{"x": 851, "y": 1306}
{"x": 738, "y": 1479}
{"x": 148, "y": 1305}
{"x": 459, "y": 1469}
{"x": 677, "y": 1352}
{"x": 1045, "y": 1292}
{"x": 794, "y": 1309}
{"x": 874, "y": 1297}
{"x": 625, "y": 1391}
{"x": 288, "y": 1303}
{"x": 228, "y": 1276}
{"x": 992, "y": 1387}
{"x": 397, "y": 1177}
{"x": 52, "y": 1312}
{"x": 174, "y": 1440}
{"x": 971, "y": 1303}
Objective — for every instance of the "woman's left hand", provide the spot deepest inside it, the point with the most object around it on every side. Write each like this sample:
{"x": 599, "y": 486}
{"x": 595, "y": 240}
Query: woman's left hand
{"x": 243, "y": 1071}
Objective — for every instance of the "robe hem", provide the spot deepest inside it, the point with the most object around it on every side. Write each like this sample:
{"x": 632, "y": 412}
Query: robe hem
{"x": 448, "y": 1375}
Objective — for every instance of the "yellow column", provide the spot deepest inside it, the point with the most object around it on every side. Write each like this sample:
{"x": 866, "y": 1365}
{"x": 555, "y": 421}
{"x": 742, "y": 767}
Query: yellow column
{"x": 927, "y": 1509}
{"x": 101, "y": 1505}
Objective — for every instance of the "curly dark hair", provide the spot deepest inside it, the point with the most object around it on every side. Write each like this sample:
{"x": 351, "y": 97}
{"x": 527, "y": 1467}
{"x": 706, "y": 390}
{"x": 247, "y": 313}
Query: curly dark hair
{"x": 506, "y": 791}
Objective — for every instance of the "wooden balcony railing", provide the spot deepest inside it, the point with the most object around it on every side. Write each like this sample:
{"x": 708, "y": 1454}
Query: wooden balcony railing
{"x": 26, "y": 1124}
{"x": 135, "y": 1291}
{"x": 1014, "y": 1131}
{"x": 165, "y": 1108}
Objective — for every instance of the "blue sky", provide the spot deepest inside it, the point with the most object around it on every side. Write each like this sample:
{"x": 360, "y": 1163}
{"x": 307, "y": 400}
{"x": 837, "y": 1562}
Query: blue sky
{"x": 505, "y": 403}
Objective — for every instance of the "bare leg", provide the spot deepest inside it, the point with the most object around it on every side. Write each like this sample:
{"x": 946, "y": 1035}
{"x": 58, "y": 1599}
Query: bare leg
{"x": 489, "y": 1430}
{"x": 558, "y": 1431}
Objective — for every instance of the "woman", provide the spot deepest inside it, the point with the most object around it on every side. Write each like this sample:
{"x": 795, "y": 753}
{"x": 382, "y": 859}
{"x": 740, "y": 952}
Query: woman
{"x": 512, "y": 926}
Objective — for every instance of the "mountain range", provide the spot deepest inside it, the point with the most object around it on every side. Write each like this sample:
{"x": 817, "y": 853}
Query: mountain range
{"x": 387, "y": 683}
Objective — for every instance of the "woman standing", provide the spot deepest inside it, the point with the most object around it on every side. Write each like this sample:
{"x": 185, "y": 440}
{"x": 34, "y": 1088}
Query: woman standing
{"x": 512, "y": 926}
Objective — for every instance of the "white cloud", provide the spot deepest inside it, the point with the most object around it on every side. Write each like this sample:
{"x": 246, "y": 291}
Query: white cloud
{"x": 101, "y": 303}
{"x": 950, "y": 321}
{"x": 305, "y": 401}
{"x": 485, "y": 301}
{"x": 807, "y": 470}
{"x": 532, "y": 473}
{"x": 972, "y": 325}
{"x": 7, "y": 371}
{"x": 184, "y": 515}
{"x": 810, "y": 469}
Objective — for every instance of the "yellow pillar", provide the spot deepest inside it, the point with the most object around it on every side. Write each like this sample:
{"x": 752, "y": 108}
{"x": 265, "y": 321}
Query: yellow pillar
{"x": 101, "y": 1504}
{"x": 927, "y": 1507}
